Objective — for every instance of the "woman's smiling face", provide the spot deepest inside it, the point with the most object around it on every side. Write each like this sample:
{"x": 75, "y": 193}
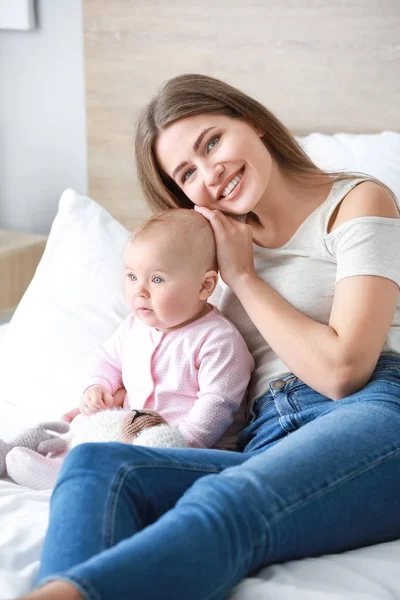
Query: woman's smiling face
{"x": 218, "y": 162}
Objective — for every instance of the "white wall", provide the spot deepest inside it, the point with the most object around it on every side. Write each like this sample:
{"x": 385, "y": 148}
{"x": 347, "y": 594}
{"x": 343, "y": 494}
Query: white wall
{"x": 42, "y": 116}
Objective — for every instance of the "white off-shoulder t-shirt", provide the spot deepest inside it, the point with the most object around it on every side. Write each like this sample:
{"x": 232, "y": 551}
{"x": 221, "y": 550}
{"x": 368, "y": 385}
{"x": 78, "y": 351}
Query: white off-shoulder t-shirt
{"x": 305, "y": 270}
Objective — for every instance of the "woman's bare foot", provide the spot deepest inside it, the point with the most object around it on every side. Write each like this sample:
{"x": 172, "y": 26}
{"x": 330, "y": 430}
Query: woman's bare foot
{"x": 56, "y": 590}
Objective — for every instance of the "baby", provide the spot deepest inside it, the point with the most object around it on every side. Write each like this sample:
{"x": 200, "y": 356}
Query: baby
{"x": 175, "y": 354}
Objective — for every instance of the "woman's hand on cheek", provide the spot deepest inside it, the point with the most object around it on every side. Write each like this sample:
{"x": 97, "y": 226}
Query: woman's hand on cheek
{"x": 234, "y": 245}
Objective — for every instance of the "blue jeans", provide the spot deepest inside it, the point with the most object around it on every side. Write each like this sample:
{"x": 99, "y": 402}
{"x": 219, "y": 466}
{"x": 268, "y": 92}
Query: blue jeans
{"x": 315, "y": 477}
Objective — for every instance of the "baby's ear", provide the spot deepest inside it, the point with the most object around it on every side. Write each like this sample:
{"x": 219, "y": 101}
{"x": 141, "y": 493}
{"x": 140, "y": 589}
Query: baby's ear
{"x": 209, "y": 284}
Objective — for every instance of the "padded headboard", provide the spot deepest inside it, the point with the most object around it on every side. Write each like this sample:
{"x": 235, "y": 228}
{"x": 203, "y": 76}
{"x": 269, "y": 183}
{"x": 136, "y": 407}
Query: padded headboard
{"x": 320, "y": 65}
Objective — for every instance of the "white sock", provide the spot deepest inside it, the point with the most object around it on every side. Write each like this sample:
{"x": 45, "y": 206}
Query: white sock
{"x": 31, "y": 469}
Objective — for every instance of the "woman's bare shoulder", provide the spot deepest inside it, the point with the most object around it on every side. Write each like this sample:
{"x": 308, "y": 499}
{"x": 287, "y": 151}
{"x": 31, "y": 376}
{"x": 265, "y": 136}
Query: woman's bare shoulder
{"x": 367, "y": 199}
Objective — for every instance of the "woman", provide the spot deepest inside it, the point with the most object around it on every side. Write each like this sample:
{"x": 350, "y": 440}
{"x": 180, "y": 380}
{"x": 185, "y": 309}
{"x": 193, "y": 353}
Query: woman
{"x": 310, "y": 264}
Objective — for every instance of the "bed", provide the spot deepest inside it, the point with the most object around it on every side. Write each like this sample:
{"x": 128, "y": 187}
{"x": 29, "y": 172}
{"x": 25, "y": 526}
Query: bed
{"x": 366, "y": 574}
{"x": 330, "y": 71}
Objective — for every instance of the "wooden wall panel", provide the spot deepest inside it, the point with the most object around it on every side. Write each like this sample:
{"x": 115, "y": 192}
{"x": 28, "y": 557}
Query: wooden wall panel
{"x": 320, "y": 65}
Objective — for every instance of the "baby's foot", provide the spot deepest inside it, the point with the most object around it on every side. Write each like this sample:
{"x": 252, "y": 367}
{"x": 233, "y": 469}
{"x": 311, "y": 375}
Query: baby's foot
{"x": 31, "y": 469}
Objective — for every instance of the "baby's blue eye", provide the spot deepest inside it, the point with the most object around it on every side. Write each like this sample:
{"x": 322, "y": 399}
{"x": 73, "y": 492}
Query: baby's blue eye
{"x": 187, "y": 174}
{"x": 132, "y": 277}
{"x": 157, "y": 280}
{"x": 212, "y": 143}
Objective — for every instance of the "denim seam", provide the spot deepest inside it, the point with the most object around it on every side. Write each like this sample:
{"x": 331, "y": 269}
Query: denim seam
{"x": 387, "y": 369}
{"x": 118, "y": 481}
{"x": 289, "y": 423}
{"x": 385, "y": 377}
{"x": 386, "y": 381}
{"x": 263, "y": 405}
{"x": 299, "y": 504}
{"x": 295, "y": 387}
{"x": 292, "y": 399}
{"x": 282, "y": 423}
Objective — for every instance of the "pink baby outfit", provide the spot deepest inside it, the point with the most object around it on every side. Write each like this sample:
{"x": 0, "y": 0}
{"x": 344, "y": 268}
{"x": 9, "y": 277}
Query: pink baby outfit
{"x": 195, "y": 376}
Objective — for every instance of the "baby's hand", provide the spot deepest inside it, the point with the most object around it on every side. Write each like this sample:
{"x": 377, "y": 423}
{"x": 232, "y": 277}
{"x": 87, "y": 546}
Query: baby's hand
{"x": 94, "y": 399}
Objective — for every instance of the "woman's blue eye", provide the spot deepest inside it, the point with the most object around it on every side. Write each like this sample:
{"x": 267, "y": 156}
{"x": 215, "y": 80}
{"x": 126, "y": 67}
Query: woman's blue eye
{"x": 212, "y": 143}
{"x": 209, "y": 146}
{"x": 157, "y": 280}
{"x": 187, "y": 174}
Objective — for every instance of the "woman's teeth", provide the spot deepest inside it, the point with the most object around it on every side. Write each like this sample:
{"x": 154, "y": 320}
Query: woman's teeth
{"x": 232, "y": 184}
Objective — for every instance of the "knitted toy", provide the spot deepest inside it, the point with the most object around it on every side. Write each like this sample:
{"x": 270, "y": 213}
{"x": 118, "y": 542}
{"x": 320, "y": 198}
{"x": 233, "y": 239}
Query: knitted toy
{"x": 31, "y": 468}
{"x": 36, "y": 438}
{"x": 140, "y": 427}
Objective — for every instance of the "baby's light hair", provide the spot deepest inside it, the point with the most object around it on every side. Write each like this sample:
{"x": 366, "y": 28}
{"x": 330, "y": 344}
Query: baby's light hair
{"x": 186, "y": 227}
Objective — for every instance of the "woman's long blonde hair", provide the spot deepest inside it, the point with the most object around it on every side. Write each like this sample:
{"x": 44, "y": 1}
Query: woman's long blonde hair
{"x": 188, "y": 95}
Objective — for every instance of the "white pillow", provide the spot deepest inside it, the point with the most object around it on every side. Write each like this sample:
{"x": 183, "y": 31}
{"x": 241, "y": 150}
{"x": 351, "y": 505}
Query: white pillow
{"x": 74, "y": 301}
{"x": 374, "y": 154}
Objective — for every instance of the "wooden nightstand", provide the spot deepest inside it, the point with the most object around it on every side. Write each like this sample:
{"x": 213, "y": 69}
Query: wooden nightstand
{"x": 20, "y": 254}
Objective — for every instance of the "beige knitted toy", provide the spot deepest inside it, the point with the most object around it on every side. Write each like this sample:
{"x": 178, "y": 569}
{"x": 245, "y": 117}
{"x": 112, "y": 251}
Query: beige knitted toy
{"x": 28, "y": 465}
{"x": 149, "y": 428}
{"x": 140, "y": 427}
{"x": 136, "y": 421}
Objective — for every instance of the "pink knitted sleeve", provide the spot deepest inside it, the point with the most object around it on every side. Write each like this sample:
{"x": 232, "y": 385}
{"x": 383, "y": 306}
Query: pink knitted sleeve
{"x": 224, "y": 368}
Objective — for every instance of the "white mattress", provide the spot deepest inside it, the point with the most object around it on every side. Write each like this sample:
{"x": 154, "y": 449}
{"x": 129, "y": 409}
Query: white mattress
{"x": 367, "y": 574}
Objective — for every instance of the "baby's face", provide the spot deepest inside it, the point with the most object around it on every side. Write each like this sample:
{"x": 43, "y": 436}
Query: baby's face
{"x": 162, "y": 286}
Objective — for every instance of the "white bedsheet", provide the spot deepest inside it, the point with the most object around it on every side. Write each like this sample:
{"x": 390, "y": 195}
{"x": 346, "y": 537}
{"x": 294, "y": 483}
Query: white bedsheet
{"x": 367, "y": 574}
{"x": 3, "y": 329}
